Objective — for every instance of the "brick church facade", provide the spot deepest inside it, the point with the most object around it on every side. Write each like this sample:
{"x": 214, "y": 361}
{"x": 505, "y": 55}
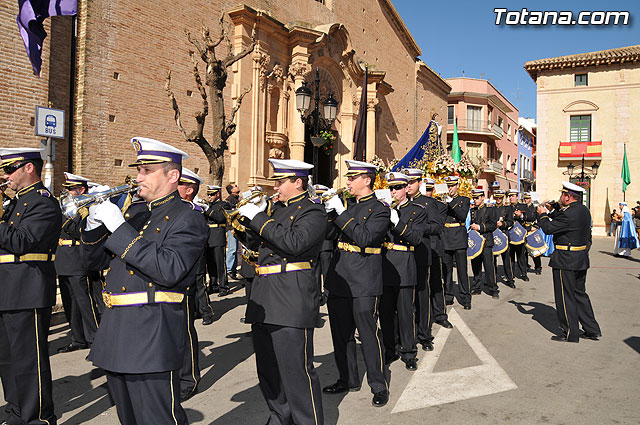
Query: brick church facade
{"x": 123, "y": 53}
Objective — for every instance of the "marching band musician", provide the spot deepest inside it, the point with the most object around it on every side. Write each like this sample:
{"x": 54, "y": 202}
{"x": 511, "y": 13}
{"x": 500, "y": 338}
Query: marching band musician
{"x": 29, "y": 233}
{"x": 216, "y": 245}
{"x": 484, "y": 221}
{"x": 518, "y": 252}
{"x": 355, "y": 282}
{"x": 284, "y": 304}
{"x": 532, "y": 224}
{"x": 73, "y": 276}
{"x": 505, "y": 221}
{"x": 571, "y": 230}
{"x": 152, "y": 258}
{"x": 408, "y": 223}
{"x": 429, "y": 304}
{"x": 197, "y": 298}
{"x": 455, "y": 241}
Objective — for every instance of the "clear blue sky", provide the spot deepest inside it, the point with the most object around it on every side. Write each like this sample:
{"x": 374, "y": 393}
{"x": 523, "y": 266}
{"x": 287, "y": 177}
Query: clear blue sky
{"x": 461, "y": 35}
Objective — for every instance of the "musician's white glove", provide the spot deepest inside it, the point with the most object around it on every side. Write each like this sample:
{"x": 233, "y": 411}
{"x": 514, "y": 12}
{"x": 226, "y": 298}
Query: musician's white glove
{"x": 395, "y": 218}
{"x": 99, "y": 188}
{"x": 250, "y": 210}
{"x": 92, "y": 223}
{"x": 108, "y": 214}
{"x": 334, "y": 204}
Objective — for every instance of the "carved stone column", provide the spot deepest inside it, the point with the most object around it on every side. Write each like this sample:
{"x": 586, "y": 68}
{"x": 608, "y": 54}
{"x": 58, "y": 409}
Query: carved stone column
{"x": 298, "y": 71}
{"x": 371, "y": 126}
{"x": 258, "y": 106}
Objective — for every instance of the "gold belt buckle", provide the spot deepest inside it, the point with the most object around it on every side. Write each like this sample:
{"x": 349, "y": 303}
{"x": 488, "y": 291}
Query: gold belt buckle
{"x": 107, "y": 299}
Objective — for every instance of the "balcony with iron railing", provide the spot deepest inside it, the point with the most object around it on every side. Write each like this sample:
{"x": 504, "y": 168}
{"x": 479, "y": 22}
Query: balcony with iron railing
{"x": 527, "y": 175}
{"x": 493, "y": 166}
{"x": 476, "y": 127}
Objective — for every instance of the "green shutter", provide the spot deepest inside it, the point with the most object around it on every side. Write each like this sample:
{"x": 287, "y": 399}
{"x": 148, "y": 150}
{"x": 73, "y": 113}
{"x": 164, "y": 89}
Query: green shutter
{"x": 580, "y": 128}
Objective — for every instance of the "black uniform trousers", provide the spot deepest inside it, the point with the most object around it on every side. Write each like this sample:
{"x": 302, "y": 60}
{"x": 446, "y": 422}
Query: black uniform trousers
{"x": 429, "y": 301}
{"x": 486, "y": 281}
{"x": 147, "y": 398}
{"x": 438, "y": 306}
{"x": 202, "y": 303}
{"x": 396, "y": 308}
{"x": 190, "y": 370}
{"x": 345, "y": 315}
{"x": 572, "y": 303}
{"x": 537, "y": 263}
{"x": 216, "y": 267}
{"x": 288, "y": 380}
{"x": 95, "y": 279}
{"x": 519, "y": 260}
{"x": 506, "y": 264}
{"x": 24, "y": 366}
{"x": 84, "y": 315}
{"x": 463, "y": 276}
{"x": 324, "y": 258}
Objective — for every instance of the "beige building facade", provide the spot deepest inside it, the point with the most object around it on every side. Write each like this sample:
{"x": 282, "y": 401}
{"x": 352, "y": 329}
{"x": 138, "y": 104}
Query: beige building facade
{"x": 123, "y": 54}
{"x": 589, "y": 104}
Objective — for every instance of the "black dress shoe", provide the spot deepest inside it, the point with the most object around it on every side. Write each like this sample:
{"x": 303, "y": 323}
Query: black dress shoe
{"x": 449, "y": 302}
{"x": 72, "y": 347}
{"x": 525, "y": 278}
{"x": 207, "y": 321}
{"x": 591, "y": 335}
{"x": 223, "y": 292}
{"x": 187, "y": 394}
{"x": 390, "y": 358}
{"x": 538, "y": 271}
{"x": 511, "y": 284}
{"x": 476, "y": 292}
{"x": 427, "y": 346}
{"x": 339, "y": 388}
{"x": 560, "y": 338}
{"x": 445, "y": 323}
{"x": 213, "y": 289}
{"x": 380, "y": 399}
{"x": 467, "y": 307}
{"x": 411, "y": 364}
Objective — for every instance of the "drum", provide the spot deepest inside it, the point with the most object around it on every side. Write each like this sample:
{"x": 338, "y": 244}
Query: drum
{"x": 535, "y": 243}
{"x": 500, "y": 242}
{"x": 476, "y": 244}
{"x": 517, "y": 234}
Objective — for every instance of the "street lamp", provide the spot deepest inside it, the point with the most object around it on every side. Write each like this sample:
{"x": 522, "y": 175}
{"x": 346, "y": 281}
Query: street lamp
{"x": 318, "y": 122}
{"x": 584, "y": 171}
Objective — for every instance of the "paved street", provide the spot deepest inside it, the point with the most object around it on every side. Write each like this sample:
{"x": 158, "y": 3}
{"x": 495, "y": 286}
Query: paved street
{"x": 498, "y": 364}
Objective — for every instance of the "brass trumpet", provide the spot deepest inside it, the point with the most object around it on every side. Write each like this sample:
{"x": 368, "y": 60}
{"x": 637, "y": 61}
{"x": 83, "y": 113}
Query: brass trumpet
{"x": 70, "y": 204}
{"x": 231, "y": 215}
{"x": 325, "y": 197}
{"x": 394, "y": 203}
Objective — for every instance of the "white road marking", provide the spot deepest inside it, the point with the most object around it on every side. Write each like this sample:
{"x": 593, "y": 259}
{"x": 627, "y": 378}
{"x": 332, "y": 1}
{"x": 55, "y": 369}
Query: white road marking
{"x": 426, "y": 388}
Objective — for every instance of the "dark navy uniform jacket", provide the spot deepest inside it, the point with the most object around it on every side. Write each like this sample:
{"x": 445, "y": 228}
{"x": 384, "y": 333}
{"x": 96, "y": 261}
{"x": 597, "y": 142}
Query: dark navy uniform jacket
{"x": 486, "y": 218}
{"x": 30, "y": 226}
{"x": 217, "y": 221}
{"x": 364, "y": 225}
{"x": 292, "y": 234}
{"x": 157, "y": 249}
{"x": 531, "y": 216}
{"x": 399, "y": 267}
{"x": 69, "y": 255}
{"x": 571, "y": 228}
{"x": 431, "y": 241}
{"x": 504, "y": 213}
{"x": 454, "y": 235}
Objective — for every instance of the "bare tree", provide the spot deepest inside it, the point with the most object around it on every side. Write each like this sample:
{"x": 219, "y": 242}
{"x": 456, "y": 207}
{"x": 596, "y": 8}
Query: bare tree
{"x": 215, "y": 81}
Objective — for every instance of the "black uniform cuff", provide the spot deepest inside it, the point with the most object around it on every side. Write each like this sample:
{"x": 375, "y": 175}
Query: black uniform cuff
{"x": 123, "y": 239}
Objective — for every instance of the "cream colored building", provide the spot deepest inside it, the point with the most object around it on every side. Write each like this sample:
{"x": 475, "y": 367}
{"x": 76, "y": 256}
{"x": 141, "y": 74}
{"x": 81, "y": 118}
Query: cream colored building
{"x": 589, "y": 104}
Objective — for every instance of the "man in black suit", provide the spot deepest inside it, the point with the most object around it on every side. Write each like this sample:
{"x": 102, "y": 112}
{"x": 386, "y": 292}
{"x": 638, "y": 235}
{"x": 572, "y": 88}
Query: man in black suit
{"x": 152, "y": 259}
{"x": 483, "y": 220}
{"x": 29, "y": 233}
{"x": 570, "y": 225}
{"x": 284, "y": 304}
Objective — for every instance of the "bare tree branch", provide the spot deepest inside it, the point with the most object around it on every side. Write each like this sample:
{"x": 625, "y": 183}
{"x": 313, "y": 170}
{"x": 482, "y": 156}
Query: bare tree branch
{"x": 230, "y": 60}
{"x": 174, "y": 104}
{"x": 201, "y": 88}
{"x": 237, "y": 105}
{"x": 196, "y": 44}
